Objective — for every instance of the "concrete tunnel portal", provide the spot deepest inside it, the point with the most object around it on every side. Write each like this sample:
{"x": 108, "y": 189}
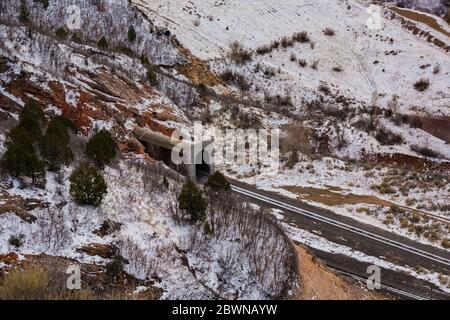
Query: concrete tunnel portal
{"x": 160, "y": 147}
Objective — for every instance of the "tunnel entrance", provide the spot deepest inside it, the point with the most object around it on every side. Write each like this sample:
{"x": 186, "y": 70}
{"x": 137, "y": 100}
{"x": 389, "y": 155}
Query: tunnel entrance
{"x": 203, "y": 170}
{"x": 159, "y": 147}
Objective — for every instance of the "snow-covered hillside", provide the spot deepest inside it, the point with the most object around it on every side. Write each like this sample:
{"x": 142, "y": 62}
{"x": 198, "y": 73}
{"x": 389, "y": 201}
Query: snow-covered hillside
{"x": 376, "y": 64}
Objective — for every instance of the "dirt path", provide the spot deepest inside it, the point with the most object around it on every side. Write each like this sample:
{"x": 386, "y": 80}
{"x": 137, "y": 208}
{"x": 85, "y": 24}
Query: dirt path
{"x": 319, "y": 283}
{"x": 422, "y": 18}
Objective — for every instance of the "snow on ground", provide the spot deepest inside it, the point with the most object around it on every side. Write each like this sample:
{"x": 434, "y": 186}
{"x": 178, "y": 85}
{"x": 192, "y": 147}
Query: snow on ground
{"x": 314, "y": 241}
{"x": 342, "y": 179}
{"x": 149, "y": 237}
{"x": 373, "y": 64}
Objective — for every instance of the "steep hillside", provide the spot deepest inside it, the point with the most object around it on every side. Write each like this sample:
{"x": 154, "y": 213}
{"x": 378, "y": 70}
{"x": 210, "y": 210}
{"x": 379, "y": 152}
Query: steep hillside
{"x": 100, "y": 77}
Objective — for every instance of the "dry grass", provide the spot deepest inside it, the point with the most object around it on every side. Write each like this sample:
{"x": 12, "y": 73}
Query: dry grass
{"x": 36, "y": 283}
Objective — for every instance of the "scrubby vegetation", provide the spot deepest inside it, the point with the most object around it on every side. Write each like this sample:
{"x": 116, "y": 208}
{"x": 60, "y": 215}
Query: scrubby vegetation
{"x": 101, "y": 148}
{"x": 238, "y": 54}
{"x": 192, "y": 202}
{"x": 422, "y": 85}
{"x": 87, "y": 185}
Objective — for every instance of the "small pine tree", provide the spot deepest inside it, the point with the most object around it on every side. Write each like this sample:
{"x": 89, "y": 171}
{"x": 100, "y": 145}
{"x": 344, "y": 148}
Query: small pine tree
{"x": 102, "y": 43}
{"x": 24, "y": 14}
{"x": 32, "y": 119}
{"x": 87, "y": 185}
{"x": 61, "y": 33}
{"x": 217, "y": 182}
{"x": 55, "y": 144}
{"x": 131, "y": 34}
{"x": 192, "y": 202}
{"x": 21, "y": 159}
{"x": 101, "y": 148}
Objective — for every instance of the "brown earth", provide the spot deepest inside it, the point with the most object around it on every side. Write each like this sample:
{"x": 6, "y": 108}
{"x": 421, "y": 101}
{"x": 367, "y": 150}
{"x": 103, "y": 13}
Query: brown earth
{"x": 409, "y": 24}
{"x": 331, "y": 198}
{"x": 419, "y": 17}
{"x": 319, "y": 283}
{"x": 409, "y": 162}
{"x": 197, "y": 71}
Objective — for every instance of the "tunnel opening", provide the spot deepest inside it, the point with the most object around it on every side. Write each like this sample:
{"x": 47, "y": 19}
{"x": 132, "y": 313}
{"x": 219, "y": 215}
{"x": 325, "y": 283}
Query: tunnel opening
{"x": 203, "y": 169}
{"x": 164, "y": 155}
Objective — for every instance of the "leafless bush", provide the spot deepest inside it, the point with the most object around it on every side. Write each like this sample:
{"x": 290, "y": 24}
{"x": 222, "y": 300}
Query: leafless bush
{"x": 324, "y": 89}
{"x": 196, "y": 22}
{"x": 278, "y": 100}
{"x": 262, "y": 50}
{"x": 329, "y": 32}
{"x": 137, "y": 258}
{"x": 422, "y": 85}
{"x": 424, "y": 151}
{"x": 293, "y": 57}
{"x": 262, "y": 243}
{"x": 238, "y": 54}
{"x": 235, "y": 78}
{"x": 296, "y": 141}
{"x": 388, "y": 138}
{"x": 301, "y": 37}
{"x": 437, "y": 69}
{"x": 315, "y": 64}
{"x": 302, "y": 63}
{"x": 286, "y": 42}
{"x": 52, "y": 230}
{"x": 337, "y": 69}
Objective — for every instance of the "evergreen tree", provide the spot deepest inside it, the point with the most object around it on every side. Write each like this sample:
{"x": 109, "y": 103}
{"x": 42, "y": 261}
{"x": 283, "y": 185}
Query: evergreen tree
{"x": 131, "y": 34}
{"x": 87, "y": 185}
{"x": 192, "y": 202}
{"x": 101, "y": 148}
{"x": 21, "y": 159}
{"x": 32, "y": 120}
{"x": 55, "y": 144}
{"x": 217, "y": 182}
{"x": 61, "y": 33}
{"x": 103, "y": 43}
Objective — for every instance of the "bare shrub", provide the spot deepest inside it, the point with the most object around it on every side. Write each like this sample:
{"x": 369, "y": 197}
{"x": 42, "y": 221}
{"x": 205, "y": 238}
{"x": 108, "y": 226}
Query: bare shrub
{"x": 437, "y": 69}
{"x": 262, "y": 50}
{"x": 296, "y": 141}
{"x": 286, "y": 42}
{"x": 329, "y": 32}
{"x": 260, "y": 244}
{"x": 53, "y": 232}
{"x": 388, "y": 138}
{"x": 238, "y": 54}
{"x": 422, "y": 85}
{"x": 301, "y": 37}
{"x": 324, "y": 89}
{"x": 235, "y": 78}
{"x": 302, "y": 63}
{"x": 196, "y": 22}
{"x": 424, "y": 151}
{"x": 337, "y": 69}
{"x": 315, "y": 64}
